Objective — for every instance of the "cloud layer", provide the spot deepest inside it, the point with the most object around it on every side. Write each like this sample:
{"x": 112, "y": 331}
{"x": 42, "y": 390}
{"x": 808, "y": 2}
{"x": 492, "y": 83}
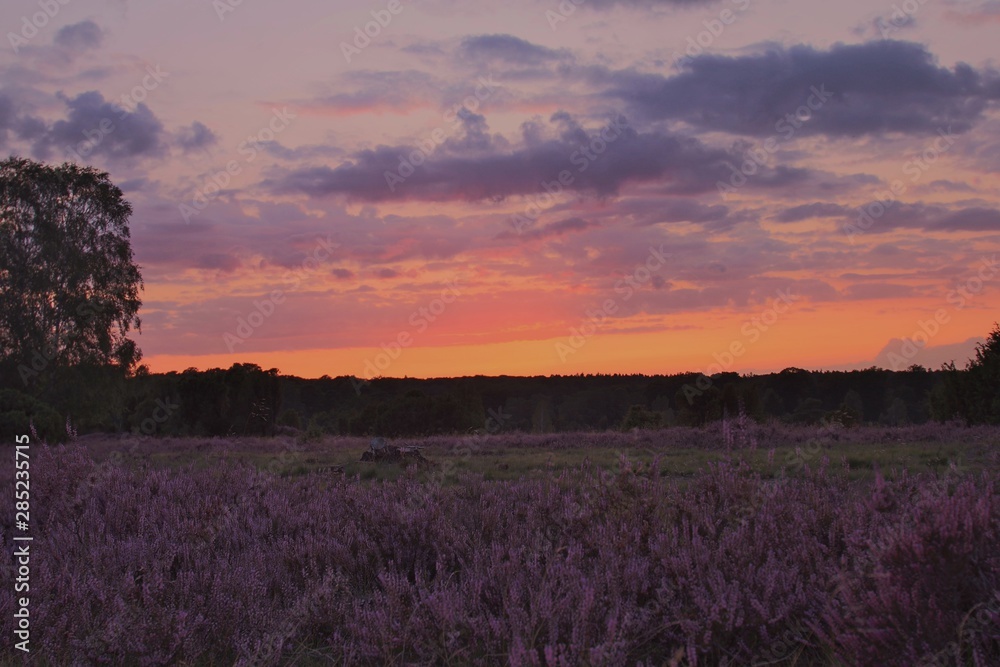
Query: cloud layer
{"x": 555, "y": 170}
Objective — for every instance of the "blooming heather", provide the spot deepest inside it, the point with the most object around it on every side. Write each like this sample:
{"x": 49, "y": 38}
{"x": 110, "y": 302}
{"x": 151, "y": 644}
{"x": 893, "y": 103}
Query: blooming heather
{"x": 232, "y": 565}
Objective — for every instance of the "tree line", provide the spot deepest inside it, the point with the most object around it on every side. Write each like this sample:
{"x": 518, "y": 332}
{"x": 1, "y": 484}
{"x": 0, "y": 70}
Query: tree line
{"x": 248, "y": 400}
{"x": 69, "y": 297}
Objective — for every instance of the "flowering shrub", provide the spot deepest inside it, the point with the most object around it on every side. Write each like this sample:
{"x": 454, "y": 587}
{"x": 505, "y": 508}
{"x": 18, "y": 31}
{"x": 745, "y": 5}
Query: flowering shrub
{"x": 740, "y": 431}
{"x": 232, "y": 565}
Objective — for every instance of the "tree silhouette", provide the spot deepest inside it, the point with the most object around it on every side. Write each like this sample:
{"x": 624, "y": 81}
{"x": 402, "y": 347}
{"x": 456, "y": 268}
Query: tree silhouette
{"x": 69, "y": 289}
{"x": 984, "y": 380}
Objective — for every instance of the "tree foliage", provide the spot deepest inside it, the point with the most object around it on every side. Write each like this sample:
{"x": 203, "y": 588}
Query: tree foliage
{"x": 972, "y": 395}
{"x": 19, "y": 411}
{"x": 69, "y": 288}
{"x": 243, "y": 400}
{"x": 983, "y": 395}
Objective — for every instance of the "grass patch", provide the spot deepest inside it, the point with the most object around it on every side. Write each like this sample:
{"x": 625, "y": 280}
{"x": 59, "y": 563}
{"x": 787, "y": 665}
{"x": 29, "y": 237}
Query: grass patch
{"x": 504, "y": 458}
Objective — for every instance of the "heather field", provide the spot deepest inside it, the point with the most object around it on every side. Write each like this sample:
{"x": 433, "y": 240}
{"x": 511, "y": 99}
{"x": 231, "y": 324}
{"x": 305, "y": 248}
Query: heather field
{"x": 737, "y": 544}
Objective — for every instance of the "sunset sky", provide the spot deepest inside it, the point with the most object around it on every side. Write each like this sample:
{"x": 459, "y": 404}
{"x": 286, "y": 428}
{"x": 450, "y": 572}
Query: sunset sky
{"x": 533, "y": 187}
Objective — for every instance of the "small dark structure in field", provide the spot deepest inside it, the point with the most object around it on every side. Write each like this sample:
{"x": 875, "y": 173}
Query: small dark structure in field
{"x": 381, "y": 452}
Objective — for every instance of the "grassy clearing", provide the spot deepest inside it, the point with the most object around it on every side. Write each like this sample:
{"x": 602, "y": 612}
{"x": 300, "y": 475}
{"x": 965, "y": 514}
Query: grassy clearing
{"x": 509, "y": 457}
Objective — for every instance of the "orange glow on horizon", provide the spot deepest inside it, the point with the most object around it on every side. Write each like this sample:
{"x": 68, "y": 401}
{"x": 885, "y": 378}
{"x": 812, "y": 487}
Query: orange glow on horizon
{"x": 802, "y": 337}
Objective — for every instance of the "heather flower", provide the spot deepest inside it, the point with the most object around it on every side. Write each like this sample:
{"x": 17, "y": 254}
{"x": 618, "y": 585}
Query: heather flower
{"x": 230, "y": 564}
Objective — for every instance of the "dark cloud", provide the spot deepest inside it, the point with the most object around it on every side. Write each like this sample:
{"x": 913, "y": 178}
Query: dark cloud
{"x": 134, "y": 185}
{"x": 553, "y": 229}
{"x": 976, "y": 219}
{"x": 387, "y": 273}
{"x": 887, "y": 25}
{"x": 474, "y": 136}
{"x": 14, "y": 120}
{"x": 883, "y": 217}
{"x": 870, "y": 290}
{"x": 196, "y": 136}
{"x": 285, "y": 235}
{"x": 217, "y": 261}
{"x": 976, "y": 13}
{"x": 868, "y": 277}
{"x": 79, "y": 37}
{"x": 814, "y": 210}
{"x": 681, "y": 164}
{"x": 872, "y": 88}
{"x": 645, "y": 211}
{"x": 307, "y": 152}
{"x": 506, "y": 48}
{"x": 363, "y": 90}
{"x": 29, "y": 127}
{"x": 645, "y": 4}
{"x": 164, "y": 242}
{"x": 949, "y": 186}
{"x": 7, "y": 117}
{"x": 95, "y": 127}
{"x": 423, "y": 49}
{"x": 686, "y": 210}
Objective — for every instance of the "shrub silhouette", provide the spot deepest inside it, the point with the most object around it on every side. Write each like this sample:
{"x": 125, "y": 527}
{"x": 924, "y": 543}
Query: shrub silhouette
{"x": 18, "y": 411}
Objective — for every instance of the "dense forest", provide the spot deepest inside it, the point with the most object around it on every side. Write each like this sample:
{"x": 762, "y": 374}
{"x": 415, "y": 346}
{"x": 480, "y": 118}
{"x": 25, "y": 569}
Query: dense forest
{"x": 248, "y": 400}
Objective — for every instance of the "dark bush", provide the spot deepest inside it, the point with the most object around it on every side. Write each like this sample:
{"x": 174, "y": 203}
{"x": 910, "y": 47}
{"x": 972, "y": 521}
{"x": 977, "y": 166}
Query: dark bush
{"x": 18, "y": 411}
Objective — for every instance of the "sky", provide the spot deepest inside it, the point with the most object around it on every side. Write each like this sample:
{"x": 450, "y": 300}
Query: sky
{"x": 443, "y": 188}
